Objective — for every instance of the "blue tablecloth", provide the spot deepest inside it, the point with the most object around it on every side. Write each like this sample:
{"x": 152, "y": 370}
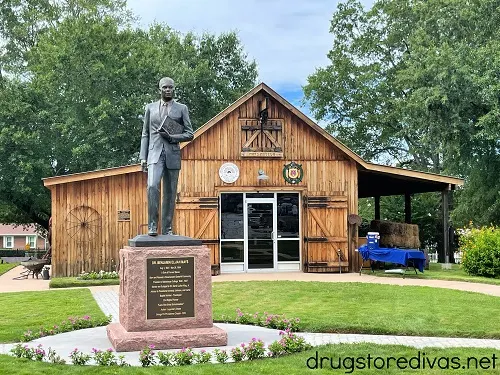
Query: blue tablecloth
{"x": 399, "y": 256}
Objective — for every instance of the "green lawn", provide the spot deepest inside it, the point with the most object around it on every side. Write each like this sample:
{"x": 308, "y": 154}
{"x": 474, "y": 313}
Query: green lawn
{"x": 290, "y": 365}
{"x": 322, "y": 307}
{"x": 4, "y": 267}
{"x": 365, "y": 308}
{"x": 436, "y": 272}
{"x": 30, "y": 310}
{"x": 73, "y": 282}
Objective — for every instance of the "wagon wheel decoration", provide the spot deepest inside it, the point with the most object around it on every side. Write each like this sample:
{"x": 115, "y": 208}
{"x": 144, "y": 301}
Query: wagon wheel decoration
{"x": 83, "y": 224}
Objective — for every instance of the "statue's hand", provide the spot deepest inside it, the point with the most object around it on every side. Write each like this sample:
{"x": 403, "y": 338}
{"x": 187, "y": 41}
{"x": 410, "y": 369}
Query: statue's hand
{"x": 165, "y": 135}
{"x": 144, "y": 165}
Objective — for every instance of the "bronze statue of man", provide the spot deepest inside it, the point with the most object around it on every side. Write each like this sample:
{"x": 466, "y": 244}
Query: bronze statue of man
{"x": 166, "y": 123}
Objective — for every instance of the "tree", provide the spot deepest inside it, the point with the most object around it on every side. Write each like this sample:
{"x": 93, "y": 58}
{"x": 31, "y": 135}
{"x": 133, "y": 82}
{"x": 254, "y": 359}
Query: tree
{"x": 416, "y": 83}
{"x": 86, "y": 80}
{"x": 23, "y": 142}
{"x": 22, "y": 22}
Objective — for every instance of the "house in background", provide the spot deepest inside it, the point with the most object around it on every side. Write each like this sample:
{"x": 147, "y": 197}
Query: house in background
{"x": 17, "y": 237}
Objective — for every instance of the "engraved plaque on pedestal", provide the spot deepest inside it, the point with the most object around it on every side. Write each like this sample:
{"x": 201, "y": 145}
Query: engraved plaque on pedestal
{"x": 170, "y": 288}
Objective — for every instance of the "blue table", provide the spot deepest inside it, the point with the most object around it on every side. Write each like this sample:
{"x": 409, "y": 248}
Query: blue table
{"x": 398, "y": 256}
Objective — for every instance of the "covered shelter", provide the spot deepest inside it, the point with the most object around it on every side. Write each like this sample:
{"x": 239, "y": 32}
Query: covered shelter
{"x": 261, "y": 184}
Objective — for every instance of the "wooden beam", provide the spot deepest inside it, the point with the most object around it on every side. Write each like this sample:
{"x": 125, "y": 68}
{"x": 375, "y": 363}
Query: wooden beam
{"x": 446, "y": 226}
{"x": 91, "y": 175}
{"x": 377, "y": 207}
{"x": 407, "y": 208}
{"x": 251, "y": 139}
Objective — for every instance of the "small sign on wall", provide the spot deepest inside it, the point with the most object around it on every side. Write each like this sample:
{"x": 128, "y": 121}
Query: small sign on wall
{"x": 123, "y": 215}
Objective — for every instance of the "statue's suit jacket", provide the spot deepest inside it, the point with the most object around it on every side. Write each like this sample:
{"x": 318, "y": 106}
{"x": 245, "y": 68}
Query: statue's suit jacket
{"x": 152, "y": 142}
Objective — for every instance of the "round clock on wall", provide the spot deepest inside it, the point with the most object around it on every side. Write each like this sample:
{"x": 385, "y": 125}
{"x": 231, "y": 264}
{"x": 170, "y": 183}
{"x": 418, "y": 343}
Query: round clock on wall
{"x": 229, "y": 172}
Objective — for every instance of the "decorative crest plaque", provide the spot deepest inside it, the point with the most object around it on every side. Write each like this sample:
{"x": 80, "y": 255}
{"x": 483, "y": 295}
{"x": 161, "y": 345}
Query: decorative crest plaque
{"x": 293, "y": 173}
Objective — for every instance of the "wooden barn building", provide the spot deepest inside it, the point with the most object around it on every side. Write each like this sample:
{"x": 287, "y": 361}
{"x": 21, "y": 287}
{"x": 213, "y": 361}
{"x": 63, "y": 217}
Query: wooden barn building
{"x": 261, "y": 184}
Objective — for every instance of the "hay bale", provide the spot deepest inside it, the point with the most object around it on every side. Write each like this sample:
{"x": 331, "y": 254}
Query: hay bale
{"x": 390, "y": 240}
{"x": 386, "y": 227}
{"x": 375, "y": 226}
{"x": 410, "y": 242}
{"x": 416, "y": 242}
{"x": 407, "y": 230}
{"x": 394, "y": 234}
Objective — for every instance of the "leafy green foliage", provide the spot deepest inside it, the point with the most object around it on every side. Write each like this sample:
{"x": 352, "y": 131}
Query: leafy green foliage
{"x": 75, "y": 93}
{"x": 67, "y": 325}
{"x": 481, "y": 247}
{"x": 416, "y": 83}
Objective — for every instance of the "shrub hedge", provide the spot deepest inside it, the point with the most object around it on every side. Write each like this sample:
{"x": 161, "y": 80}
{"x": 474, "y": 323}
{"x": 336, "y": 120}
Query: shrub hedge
{"x": 481, "y": 249}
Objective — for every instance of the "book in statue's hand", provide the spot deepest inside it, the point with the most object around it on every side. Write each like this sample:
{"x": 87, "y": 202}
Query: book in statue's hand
{"x": 171, "y": 126}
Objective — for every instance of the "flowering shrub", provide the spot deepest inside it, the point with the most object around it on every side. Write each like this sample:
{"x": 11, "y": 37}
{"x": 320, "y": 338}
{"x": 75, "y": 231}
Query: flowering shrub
{"x": 276, "y": 349}
{"x": 21, "y": 351}
{"x": 238, "y": 353}
{"x": 288, "y": 344}
{"x": 255, "y": 349}
{"x": 147, "y": 356}
{"x": 104, "y": 357}
{"x": 203, "y": 356}
{"x": 166, "y": 359}
{"x": 280, "y": 322}
{"x": 39, "y": 353}
{"x": 53, "y": 357}
{"x": 71, "y": 324}
{"x": 245, "y": 318}
{"x": 184, "y": 357}
{"x": 221, "y": 355}
{"x": 481, "y": 250}
{"x": 98, "y": 275}
{"x": 79, "y": 358}
{"x": 266, "y": 320}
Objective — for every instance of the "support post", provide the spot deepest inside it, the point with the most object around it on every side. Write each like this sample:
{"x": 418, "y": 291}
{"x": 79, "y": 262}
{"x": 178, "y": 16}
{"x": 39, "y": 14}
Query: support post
{"x": 377, "y": 207}
{"x": 446, "y": 225}
{"x": 407, "y": 208}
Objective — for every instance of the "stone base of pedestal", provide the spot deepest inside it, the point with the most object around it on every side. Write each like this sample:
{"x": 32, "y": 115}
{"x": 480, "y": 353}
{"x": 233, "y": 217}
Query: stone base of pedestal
{"x": 124, "y": 341}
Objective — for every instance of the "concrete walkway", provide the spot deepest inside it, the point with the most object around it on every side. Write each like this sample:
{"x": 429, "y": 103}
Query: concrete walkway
{"x": 108, "y": 302}
{"x": 107, "y": 299}
{"x": 7, "y": 284}
{"x": 493, "y": 290}
{"x": 86, "y": 339}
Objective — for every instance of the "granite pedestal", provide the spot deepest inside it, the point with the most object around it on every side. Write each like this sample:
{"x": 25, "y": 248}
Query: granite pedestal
{"x": 165, "y": 296}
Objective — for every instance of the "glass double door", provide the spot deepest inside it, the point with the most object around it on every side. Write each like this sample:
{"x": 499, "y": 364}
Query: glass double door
{"x": 261, "y": 233}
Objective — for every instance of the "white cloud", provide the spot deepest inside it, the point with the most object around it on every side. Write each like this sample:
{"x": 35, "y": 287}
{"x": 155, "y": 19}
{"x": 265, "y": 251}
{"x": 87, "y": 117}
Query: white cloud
{"x": 289, "y": 39}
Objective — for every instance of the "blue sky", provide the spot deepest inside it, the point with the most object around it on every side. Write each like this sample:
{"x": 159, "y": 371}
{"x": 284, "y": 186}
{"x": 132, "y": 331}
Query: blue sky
{"x": 288, "y": 39}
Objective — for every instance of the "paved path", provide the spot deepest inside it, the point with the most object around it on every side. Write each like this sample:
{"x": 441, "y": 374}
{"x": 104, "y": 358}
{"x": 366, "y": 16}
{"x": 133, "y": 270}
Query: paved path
{"x": 108, "y": 302}
{"x": 7, "y": 284}
{"x": 86, "y": 339}
{"x": 107, "y": 299}
{"x": 493, "y": 290}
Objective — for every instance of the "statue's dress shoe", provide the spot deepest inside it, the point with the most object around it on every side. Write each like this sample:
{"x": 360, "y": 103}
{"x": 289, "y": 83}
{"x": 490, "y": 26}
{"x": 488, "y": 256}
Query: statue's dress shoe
{"x": 152, "y": 230}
